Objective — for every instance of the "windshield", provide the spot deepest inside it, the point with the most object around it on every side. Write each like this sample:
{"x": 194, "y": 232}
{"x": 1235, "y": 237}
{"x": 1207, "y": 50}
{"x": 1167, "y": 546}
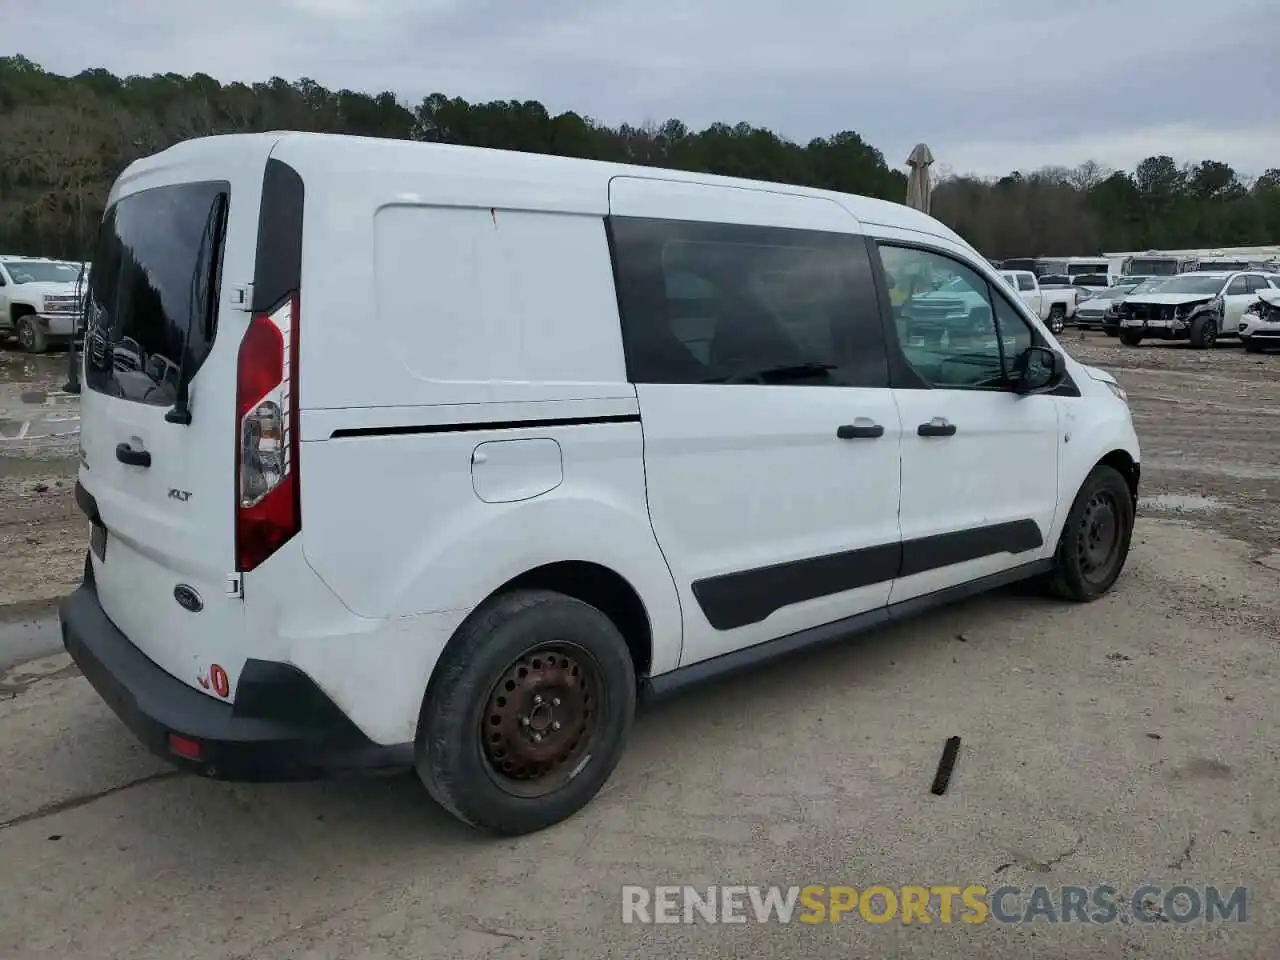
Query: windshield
{"x": 1150, "y": 286}
{"x": 41, "y": 271}
{"x": 1092, "y": 280}
{"x": 1158, "y": 268}
{"x": 153, "y": 291}
{"x": 1188, "y": 283}
{"x": 1122, "y": 290}
{"x": 1075, "y": 269}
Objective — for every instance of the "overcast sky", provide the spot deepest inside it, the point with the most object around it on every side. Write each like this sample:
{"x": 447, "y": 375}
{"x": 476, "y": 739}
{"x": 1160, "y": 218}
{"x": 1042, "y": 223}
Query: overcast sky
{"x": 990, "y": 85}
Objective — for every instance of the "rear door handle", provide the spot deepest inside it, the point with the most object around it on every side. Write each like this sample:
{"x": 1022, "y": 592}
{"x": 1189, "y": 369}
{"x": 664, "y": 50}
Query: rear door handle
{"x": 859, "y": 431}
{"x": 937, "y": 427}
{"x": 134, "y": 458}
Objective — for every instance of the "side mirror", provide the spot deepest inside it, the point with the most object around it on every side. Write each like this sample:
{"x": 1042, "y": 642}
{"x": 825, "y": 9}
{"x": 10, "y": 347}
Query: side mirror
{"x": 1038, "y": 370}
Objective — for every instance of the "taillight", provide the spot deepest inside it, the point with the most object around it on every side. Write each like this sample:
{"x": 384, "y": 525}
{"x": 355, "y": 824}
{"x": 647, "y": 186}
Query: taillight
{"x": 268, "y": 508}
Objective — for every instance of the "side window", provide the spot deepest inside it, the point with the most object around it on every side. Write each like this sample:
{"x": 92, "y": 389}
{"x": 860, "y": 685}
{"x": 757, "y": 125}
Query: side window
{"x": 1256, "y": 283}
{"x": 1015, "y": 333}
{"x": 1237, "y": 286}
{"x": 721, "y": 303}
{"x": 1026, "y": 283}
{"x": 956, "y": 330}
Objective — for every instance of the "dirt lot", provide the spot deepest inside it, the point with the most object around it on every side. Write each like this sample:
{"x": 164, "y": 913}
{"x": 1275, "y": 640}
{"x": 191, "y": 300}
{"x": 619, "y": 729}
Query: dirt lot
{"x": 1126, "y": 742}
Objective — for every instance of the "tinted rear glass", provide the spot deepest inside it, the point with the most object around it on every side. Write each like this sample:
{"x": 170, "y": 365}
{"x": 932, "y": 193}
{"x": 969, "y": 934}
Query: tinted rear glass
{"x": 153, "y": 290}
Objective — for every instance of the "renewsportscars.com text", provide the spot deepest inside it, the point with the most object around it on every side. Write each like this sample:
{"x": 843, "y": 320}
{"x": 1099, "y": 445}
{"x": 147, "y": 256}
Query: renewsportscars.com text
{"x": 933, "y": 903}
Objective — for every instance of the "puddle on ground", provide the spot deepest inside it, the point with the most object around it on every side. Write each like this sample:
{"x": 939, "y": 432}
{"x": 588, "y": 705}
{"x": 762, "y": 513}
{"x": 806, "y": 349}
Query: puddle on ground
{"x": 1182, "y": 503}
{"x": 24, "y": 368}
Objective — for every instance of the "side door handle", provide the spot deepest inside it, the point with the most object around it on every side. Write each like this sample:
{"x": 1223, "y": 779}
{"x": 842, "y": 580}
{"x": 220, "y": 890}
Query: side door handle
{"x": 937, "y": 427}
{"x": 134, "y": 458}
{"x": 859, "y": 431}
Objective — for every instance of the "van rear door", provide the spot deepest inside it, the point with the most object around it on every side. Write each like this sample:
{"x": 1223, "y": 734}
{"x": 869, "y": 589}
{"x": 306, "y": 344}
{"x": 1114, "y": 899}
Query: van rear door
{"x": 160, "y": 474}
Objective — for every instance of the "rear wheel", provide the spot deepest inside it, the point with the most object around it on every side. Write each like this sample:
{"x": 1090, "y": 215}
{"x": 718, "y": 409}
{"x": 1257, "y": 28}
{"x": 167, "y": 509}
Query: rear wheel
{"x": 1204, "y": 331}
{"x": 1130, "y": 338}
{"x": 31, "y": 336}
{"x": 528, "y": 714}
{"x": 1057, "y": 318}
{"x": 1096, "y": 537}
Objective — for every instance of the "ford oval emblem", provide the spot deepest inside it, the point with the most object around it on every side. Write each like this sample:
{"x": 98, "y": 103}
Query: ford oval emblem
{"x": 187, "y": 598}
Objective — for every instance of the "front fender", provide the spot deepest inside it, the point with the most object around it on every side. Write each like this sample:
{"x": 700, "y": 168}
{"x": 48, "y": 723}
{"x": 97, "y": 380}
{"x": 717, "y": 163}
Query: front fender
{"x": 1088, "y": 438}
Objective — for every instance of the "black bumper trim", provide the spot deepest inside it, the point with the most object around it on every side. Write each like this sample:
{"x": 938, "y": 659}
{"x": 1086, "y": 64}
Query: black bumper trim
{"x": 281, "y": 728}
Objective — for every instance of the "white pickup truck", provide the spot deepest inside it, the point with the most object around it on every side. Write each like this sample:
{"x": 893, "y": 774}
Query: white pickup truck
{"x": 39, "y": 302}
{"x": 1054, "y": 305}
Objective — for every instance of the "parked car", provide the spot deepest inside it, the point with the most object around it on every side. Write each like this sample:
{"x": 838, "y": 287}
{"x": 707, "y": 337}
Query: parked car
{"x": 1197, "y": 307}
{"x": 1092, "y": 313}
{"x": 1056, "y": 280}
{"x": 1112, "y": 314}
{"x": 1052, "y": 305}
{"x": 649, "y": 427}
{"x": 1090, "y": 284}
{"x": 1260, "y": 328}
{"x": 38, "y": 303}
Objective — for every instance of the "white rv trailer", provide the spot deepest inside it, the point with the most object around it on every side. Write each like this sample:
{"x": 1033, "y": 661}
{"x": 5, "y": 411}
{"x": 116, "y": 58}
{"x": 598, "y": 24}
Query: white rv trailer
{"x": 1170, "y": 262}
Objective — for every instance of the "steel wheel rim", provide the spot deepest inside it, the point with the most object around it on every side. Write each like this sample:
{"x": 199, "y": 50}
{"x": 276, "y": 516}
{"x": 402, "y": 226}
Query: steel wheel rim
{"x": 541, "y": 721}
{"x": 1099, "y": 539}
{"x": 25, "y": 336}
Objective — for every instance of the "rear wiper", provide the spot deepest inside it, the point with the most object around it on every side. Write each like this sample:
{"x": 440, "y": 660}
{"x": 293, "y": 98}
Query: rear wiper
{"x": 794, "y": 371}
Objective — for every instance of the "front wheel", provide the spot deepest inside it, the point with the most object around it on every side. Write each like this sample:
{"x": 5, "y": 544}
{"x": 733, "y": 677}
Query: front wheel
{"x": 1111, "y": 331}
{"x": 528, "y": 713}
{"x": 1130, "y": 338}
{"x": 1204, "y": 331}
{"x": 1251, "y": 347}
{"x": 1096, "y": 537}
{"x": 31, "y": 336}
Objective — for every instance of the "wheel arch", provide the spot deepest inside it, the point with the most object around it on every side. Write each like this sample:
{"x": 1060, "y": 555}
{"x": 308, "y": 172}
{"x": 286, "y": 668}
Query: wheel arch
{"x": 593, "y": 583}
{"x": 1123, "y": 463}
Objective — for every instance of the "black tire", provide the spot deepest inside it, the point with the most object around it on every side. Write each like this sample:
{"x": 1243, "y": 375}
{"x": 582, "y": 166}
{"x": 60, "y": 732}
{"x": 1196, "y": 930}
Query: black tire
{"x": 1111, "y": 331}
{"x": 1130, "y": 338}
{"x": 530, "y": 644}
{"x": 1087, "y": 562}
{"x": 30, "y": 336}
{"x": 1204, "y": 331}
{"x": 1057, "y": 318}
{"x": 1251, "y": 347}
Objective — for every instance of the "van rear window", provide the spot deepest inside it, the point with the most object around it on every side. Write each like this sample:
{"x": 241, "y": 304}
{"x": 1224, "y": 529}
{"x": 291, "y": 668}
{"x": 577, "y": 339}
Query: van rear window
{"x": 153, "y": 291}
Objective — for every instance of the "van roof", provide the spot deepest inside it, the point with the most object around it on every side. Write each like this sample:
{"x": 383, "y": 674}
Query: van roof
{"x": 572, "y": 180}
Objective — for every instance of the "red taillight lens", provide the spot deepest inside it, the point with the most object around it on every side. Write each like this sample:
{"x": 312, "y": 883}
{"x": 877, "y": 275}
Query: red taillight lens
{"x": 268, "y": 509}
{"x": 181, "y": 746}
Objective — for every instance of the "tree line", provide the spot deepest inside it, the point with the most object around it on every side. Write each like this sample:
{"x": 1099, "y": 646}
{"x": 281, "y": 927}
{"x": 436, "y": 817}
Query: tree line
{"x": 63, "y": 140}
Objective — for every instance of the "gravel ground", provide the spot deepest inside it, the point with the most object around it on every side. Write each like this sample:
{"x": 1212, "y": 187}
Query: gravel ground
{"x": 1125, "y": 742}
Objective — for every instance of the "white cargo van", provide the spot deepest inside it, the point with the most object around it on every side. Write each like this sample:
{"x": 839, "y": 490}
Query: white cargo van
{"x": 409, "y": 454}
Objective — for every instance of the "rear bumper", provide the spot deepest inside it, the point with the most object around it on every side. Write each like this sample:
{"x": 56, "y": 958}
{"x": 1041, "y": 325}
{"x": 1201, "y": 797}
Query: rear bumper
{"x": 281, "y": 726}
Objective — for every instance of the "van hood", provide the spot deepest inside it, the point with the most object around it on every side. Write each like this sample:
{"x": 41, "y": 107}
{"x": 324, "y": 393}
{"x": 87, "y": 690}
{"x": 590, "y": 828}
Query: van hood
{"x": 1097, "y": 373}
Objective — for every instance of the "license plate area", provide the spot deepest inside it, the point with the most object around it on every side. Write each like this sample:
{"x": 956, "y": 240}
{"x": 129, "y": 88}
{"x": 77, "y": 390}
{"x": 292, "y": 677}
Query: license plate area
{"x": 98, "y": 540}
